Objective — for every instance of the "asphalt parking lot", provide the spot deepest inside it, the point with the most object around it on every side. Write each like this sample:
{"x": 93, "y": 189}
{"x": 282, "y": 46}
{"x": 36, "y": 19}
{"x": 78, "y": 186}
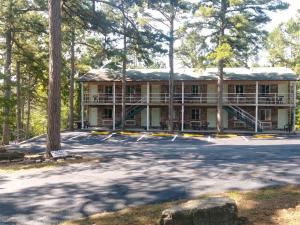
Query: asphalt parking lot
{"x": 143, "y": 169}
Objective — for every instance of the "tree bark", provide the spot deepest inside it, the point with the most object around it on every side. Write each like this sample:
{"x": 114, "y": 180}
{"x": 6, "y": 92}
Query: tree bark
{"x": 221, "y": 71}
{"x": 7, "y": 88}
{"x": 171, "y": 72}
{"x": 71, "y": 93}
{"x": 53, "y": 137}
{"x": 220, "y": 96}
{"x": 124, "y": 66}
{"x": 19, "y": 106}
{"x": 28, "y": 113}
{"x": 94, "y": 5}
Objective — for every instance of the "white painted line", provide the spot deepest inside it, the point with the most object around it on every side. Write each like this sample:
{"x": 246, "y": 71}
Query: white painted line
{"x": 246, "y": 139}
{"x": 141, "y": 137}
{"x": 174, "y": 138}
{"x": 109, "y": 136}
{"x": 70, "y": 139}
{"x": 209, "y": 139}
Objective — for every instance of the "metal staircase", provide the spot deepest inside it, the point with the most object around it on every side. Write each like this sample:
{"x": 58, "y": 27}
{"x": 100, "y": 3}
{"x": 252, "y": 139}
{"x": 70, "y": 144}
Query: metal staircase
{"x": 244, "y": 116}
{"x": 133, "y": 110}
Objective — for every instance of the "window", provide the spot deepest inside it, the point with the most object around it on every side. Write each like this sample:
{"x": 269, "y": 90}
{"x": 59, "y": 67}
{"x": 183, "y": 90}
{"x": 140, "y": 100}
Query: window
{"x": 239, "y": 89}
{"x": 195, "y": 89}
{"x": 265, "y": 89}
{"x": 131, "y": 90}
{"x": 108, "y": 90}
{"x": 107, "y": 114}
{"x": 195, "y": 114}
{"x": 265, "y": 115}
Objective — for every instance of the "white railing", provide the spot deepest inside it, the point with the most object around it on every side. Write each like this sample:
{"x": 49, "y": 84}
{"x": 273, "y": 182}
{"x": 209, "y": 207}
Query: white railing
{"x": 191, "y": 98}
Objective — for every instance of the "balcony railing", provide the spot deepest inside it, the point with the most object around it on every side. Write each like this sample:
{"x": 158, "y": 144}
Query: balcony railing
{"x": 191, "y": 98}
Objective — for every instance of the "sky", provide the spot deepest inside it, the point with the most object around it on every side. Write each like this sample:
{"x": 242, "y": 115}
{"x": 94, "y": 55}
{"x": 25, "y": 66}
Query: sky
{"x": 283, "y": 16}
{"x": 277, "y": 18}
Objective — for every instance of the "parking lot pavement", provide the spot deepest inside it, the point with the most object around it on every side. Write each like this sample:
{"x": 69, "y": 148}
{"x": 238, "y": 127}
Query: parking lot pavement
{"x": 151, "y": 170}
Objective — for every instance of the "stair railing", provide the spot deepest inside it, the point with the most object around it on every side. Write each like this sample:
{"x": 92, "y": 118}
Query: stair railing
{"x": 246, "y": 115}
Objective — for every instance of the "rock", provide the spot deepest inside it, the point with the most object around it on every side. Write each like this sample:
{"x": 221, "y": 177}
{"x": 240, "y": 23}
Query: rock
{"x": 38, "y": 160}
{"x": 60, "y": 160}
{"x": 11, "y": 155}
{"x": 244, "y": 221}
{"x": 78, "y": 156}
{"x": 34, "y": 157}
{"x": 2, "y": 149}
{"x": 48, "y": 160}
{"x": 210, "y": 211}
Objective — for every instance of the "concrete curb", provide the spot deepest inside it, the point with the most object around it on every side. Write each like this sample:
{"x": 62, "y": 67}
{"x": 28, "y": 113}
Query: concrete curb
{"x": 31, "y": 139}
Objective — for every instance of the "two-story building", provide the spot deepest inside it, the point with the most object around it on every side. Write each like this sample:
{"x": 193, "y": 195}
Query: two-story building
{"x": 254, "y": 99}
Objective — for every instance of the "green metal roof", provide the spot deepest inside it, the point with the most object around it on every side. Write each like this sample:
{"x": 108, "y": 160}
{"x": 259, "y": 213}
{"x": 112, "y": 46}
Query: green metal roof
{"x": 256, "y": 73}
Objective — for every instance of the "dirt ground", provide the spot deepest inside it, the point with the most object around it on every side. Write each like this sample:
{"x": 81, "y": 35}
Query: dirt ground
{"x": 270, "y": 206}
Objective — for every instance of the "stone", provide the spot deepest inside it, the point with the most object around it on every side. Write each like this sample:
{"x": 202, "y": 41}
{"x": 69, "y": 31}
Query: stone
{"x": 34, "y": 157}
{"x": 210, "y": 211}
{"x": 60, "y": 160}
{"x": 11, "y": 155}
{"x": 78, "y": 156}
{"x": 2, "y": 149}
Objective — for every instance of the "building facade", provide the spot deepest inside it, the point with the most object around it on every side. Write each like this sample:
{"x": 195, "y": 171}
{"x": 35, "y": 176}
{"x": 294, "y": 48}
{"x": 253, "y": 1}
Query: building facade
{"x": 254, "y": 100}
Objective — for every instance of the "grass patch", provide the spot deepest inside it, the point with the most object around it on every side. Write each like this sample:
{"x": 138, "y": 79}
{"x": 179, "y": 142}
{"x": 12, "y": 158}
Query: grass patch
{"x": 269, "y": 206}
{"x": 14, "y": 167}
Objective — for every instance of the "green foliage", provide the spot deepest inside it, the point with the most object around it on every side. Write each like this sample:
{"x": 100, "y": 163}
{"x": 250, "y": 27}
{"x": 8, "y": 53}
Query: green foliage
{"x": 283, "y": 45}
{"x": 232, "y": 29}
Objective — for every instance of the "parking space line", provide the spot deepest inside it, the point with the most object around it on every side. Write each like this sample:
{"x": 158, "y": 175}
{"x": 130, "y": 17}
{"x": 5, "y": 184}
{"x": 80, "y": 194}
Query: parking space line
{"x": 210, "y": 139}
{"x": 109, "y": 136}
{"x": 174, "y": 138}
{"x": 246, "y": 139}
{"x": 70, "y": 139}
{"x": 141, "y": 137}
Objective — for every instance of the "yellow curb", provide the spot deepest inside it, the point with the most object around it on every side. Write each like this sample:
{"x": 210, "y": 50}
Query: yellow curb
{"x": 100, "y": 132}
{"x": 162, "y": 135}
{"x": 192, "y": 135}
{"x": 225, "y": 135}
{"x": 258, "y": 136}
{"x": 127, "y": 133}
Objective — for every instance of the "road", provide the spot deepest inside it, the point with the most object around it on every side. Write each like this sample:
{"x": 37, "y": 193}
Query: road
{"x": 150, "y": 170}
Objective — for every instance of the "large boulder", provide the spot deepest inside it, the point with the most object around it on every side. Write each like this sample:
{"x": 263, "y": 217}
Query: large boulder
{"x": 210, "y": 211}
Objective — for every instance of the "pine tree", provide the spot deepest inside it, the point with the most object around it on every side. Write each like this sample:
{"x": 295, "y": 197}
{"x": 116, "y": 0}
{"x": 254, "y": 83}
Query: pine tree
{"x": 235, "y": 30}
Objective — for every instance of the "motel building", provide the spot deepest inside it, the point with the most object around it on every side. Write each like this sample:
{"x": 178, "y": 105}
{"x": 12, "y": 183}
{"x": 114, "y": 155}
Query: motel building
{"x": 254, "y": 100}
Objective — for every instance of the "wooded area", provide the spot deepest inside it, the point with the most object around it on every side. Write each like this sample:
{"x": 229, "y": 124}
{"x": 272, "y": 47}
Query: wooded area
{"x": 43, "y": 47}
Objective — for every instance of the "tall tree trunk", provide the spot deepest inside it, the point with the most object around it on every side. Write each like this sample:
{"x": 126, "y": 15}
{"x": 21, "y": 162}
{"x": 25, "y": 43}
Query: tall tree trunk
{"x": 7, "y": 88}
{"x": 28, "y": 113}
{"x": 220, "y": 96}
{"x": 171, "y": 72}
{"x": 94, "y": 5}
{"x": 124, "y": 65}
{"x": 53, "y": 137}
{"x": 19, "y": 106}
{"x": 221, "y": 70}
{"x": 71, "y": 94}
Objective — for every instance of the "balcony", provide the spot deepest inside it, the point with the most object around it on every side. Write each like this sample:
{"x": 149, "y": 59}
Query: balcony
{"x": 190, "y": 98}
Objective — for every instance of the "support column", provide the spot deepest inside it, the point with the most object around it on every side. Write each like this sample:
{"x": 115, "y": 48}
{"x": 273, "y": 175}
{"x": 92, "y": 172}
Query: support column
{"x": 148, "y": 101}
{"x": 256, "y": 107}
{"x": 295, "y": 105}
{"x": 114, "y": 106}
{"x": 182, "y": 106}
{"x": 82, "y": 106}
